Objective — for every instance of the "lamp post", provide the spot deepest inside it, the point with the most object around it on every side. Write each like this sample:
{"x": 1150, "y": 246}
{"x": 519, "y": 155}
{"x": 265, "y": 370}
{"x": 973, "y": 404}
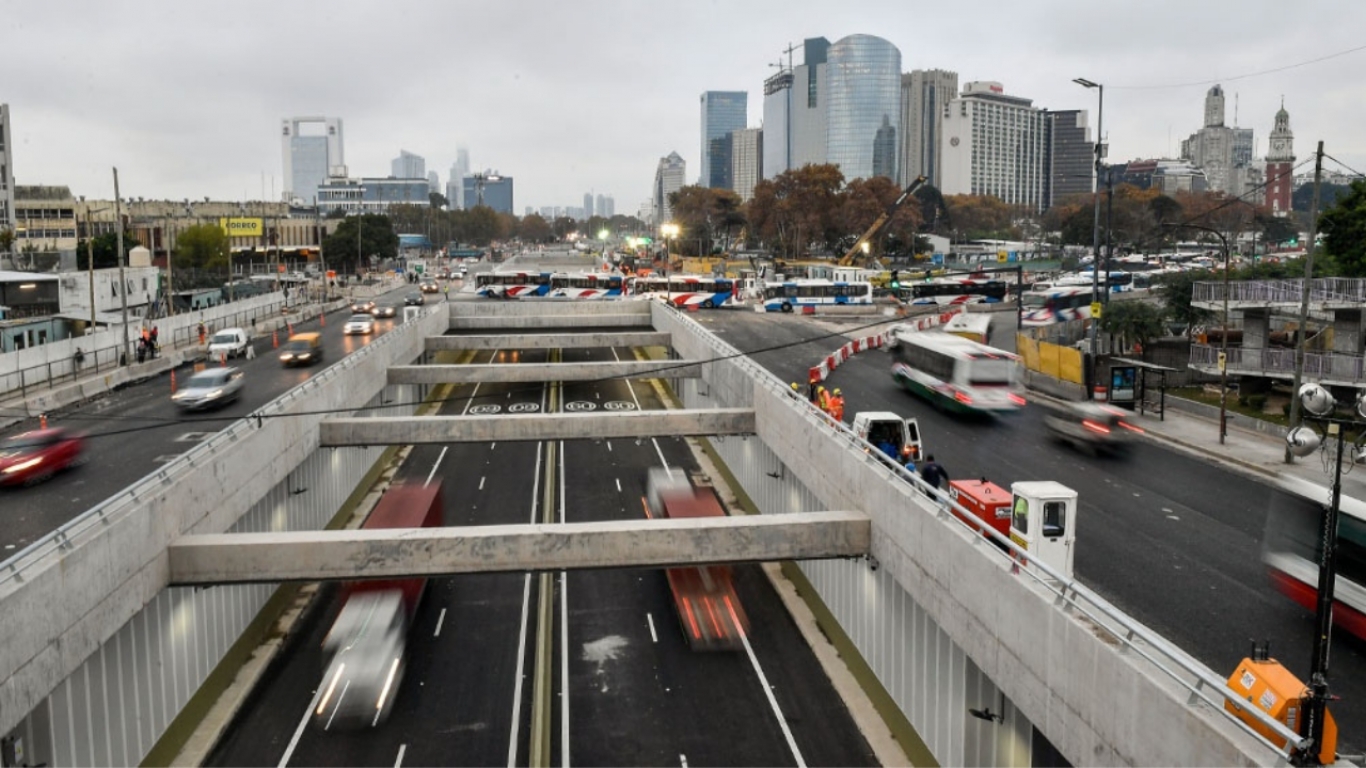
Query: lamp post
{"x": 1095, "y": 224}
{"x": 1223, "y": 336}
{"x": 669, "y": 231}
{"x": 1318, "y": 406}
{"x": 123, "y": 282}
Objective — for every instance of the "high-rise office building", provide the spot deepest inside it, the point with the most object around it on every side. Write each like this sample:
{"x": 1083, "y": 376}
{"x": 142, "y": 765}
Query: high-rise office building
{"x": 588, "y": 205}
{"x": 408, "y": 166}
{"x": 722, "y": 112}
{"x": 864, "y": 98}
{"x": 810, "y": 91}
{"x": 433, "y": 181}
{"x": 490, "y": 189}
{"x": 994, "y": 144}
{"x": 455, "y": 186}
{"x": 747, "y": 161}
{"x": 1223, "y": 153}
{"x": 606, "y": 207}
{"x": 7, "y": 218}
{"x": 669, "y": 178}
{"x": 1070, "y": 160}
{"x": 1280, "y": 165}
{"x": 924, "y": 92}
{"x": 313, "y": 151}
{"x": 777, "y": 124}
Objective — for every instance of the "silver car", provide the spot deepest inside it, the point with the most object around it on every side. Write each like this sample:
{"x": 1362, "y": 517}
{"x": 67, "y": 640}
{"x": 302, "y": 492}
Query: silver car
{"x": 209, "y": 388}
{"x": 362, "y": 324}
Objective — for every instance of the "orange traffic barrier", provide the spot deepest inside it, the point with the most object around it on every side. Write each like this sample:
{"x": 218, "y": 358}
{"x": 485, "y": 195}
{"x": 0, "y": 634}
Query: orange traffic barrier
{"x": 322, "y": 319}
{"x": 173, "y": 381}
{"x": 42, "y": 421}
{"x": 289, "y": 327}
{"x": 275, "y": 338}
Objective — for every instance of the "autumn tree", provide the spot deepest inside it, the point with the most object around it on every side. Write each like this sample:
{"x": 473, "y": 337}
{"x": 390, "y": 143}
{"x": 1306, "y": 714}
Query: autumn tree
{"x": 862, "y": 202}
{"x": 534, "y": 229}
{"x": 795, "y": 209}
{"x": 981, "y": 217}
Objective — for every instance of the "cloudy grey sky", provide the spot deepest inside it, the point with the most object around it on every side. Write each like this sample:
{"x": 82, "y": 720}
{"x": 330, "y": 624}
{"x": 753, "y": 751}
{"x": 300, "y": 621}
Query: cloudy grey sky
{"x": 186, "y": 97}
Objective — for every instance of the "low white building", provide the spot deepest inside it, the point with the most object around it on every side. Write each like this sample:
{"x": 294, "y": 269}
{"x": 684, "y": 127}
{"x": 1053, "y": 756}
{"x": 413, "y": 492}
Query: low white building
{"x": 73, "y": 291}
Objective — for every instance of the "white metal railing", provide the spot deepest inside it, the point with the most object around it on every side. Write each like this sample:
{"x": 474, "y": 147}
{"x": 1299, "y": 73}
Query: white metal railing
{"x": 1274, "y": 361}
{"x": 1322, "y": 290}
{"x": 1070, "y": 595}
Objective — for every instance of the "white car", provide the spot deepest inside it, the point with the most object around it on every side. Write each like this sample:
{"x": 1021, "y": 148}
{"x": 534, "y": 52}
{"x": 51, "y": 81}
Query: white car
{"x": 359, "y": 324}
{"x": 209, "y": 388}
{"x": 232, "y": 342}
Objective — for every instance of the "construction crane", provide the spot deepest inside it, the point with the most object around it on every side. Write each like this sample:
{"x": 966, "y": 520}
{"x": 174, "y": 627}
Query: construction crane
{"x": 856, "y": 250}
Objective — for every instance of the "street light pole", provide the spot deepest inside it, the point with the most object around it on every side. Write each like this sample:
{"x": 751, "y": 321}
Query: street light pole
{"x": 1095, "y": 222}
{"x": 123, "y": 282}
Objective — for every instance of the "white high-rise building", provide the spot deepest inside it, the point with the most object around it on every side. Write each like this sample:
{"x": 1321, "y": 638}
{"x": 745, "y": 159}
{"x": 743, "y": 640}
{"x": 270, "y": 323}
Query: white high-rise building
{"x": 408, "y": 166}
{"x": 669, "y": 178}
{"x": 747, "y": 161}
{"x": 433, "y": 181}
{"x": 7, "y": 221}
{"x": 1223, "y": 153}
{"x": 924, "y": 92}
{"x": 994, "y": 144}
{"x": 313, "y": 151}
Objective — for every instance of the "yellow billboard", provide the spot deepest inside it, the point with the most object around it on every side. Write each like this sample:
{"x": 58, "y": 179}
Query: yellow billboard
{"x": 241, "y": 227}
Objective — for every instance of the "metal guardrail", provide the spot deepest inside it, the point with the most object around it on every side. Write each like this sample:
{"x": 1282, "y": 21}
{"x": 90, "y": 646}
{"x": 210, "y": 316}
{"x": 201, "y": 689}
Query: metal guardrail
{"x": 1322, "y": 290}
{"x": 1070, "y": 595}
{"x": 122, "y": 502}
{"x": 1273, "y": 361}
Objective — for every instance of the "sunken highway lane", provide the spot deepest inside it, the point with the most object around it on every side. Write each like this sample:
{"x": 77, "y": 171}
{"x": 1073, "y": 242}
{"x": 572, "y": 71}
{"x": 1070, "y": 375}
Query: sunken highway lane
{"x": 134, "y": 430}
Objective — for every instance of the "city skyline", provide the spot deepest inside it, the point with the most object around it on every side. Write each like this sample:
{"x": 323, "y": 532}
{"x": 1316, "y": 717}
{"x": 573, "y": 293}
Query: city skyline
{"x": 208, "y": 126}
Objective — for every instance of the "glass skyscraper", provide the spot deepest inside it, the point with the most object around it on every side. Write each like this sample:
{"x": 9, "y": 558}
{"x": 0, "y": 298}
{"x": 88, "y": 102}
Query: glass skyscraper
{"x": 722, "y": 112}
{"x": 864, "y": 97}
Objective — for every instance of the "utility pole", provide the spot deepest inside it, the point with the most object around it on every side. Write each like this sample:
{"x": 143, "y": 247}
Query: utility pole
{"x": 123, "y": 282}
{"x": 90, "y": 262}
{"x": 1301, "y": 336}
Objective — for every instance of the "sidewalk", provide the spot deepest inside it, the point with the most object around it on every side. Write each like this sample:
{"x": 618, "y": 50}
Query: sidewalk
{"x": 1250, "y": 451}
{"x": 16, "y": 408}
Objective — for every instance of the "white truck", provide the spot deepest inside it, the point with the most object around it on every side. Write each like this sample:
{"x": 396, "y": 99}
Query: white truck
{"x": 884, "y": 428}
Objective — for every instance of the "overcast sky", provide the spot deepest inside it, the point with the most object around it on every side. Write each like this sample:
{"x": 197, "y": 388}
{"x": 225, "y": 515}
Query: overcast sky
{"x": 186, "y": 98}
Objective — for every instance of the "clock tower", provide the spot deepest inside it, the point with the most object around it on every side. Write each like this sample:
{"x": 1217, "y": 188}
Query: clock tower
{"x": 1280, "y": 164}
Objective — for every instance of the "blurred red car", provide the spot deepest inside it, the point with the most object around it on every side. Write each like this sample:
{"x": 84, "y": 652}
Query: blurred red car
{"x": 34, "y": 456}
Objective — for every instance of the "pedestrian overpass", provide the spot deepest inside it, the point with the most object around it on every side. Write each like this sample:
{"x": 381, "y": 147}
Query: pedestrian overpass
{"x": 110, "y": 632}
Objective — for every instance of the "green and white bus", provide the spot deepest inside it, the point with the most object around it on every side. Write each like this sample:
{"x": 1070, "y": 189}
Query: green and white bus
{"x": 955, "y": 373}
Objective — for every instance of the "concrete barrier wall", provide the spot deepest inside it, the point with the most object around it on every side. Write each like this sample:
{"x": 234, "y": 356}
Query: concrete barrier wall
{"x": 74, "y": 599}
{"x": 1066, "y": 674}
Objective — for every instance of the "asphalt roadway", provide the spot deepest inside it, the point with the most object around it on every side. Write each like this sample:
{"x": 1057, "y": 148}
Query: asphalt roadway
{"x": 627, "y": 689}
{"x": 133, "y": 430}
{"x": 1172, "y": 539}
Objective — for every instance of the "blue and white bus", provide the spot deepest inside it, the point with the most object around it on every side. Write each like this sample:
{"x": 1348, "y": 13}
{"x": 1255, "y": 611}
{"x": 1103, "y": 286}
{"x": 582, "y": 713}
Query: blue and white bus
{"x": 587, "y": 286}
{"x": 513, "y": 285}
{"x": 1055, "y": 305}
{"x": 782, "y": 297}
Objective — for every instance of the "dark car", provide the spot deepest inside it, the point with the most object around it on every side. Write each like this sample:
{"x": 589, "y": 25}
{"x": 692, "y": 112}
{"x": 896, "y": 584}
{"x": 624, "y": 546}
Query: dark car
{"x": 414, "y": 299}
{"x": 384, "y": 310}
{"x": 429, "y": 286}
{"x": 362, "y": 307}
{"x": 32, "y": 457}
{"x": 1092, "y": 427}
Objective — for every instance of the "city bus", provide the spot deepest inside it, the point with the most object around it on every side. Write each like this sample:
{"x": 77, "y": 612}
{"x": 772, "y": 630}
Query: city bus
{"x": 685, "y": 290}
{"x": 944, "y": 291}
{"x": 1292, "y": 550}
{"x": 954, "y": 373}
{"x": 512, "y": 285}
{"x": 1055, "y": 305}
{"x": 782, "y": 297}
{"x": 587, "y": 286}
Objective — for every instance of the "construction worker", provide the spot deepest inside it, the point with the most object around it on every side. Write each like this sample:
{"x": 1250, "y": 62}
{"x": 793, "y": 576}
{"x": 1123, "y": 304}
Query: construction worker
{"x": 796, "y": 390}
{"x": 823, "y": 399}
{"x": 836, "y": 409}
{"x": 811, "y": 389}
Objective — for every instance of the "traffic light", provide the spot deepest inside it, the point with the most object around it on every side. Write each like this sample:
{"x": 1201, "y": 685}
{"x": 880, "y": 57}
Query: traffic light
{"x": 896, "y": 279}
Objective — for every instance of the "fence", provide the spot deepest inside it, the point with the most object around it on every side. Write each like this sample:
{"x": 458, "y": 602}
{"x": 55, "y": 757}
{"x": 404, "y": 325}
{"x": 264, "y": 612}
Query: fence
{"x": 1322, "y": 290}
{"x": 1055, "y": 360}
{"x": 1330, "y": 367}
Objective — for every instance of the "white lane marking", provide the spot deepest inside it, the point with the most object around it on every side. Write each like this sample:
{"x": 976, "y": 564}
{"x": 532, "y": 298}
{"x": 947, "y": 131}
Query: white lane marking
{"x": 401, "y": 749}
{"x": 683, "y": 760}
{"x": 340, "y": 697}
{"x": 632, "y": 389}
{"x": 432, "y": 474}
{"x": 492, "y": 446}
{"x": 772, "y": 702}
{"x": 649, "y": 617}
{"x": 609, "y": 447}
{"x": 526, "y": 618}
{"x": 481, "y": 483}
{"x": 299, "y": 732}
{"x": 564, "y": 633}
{"x": 473, "y": 394}
{"x": 439, "y": 621}
{"x": 618, "y": 485}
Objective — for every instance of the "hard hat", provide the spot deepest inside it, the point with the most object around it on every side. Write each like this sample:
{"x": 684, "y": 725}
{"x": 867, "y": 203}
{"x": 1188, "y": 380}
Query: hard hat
{"x": 837, "y": 390}
{"x": 795, "y": 387}
{"x": 820, "y": 389}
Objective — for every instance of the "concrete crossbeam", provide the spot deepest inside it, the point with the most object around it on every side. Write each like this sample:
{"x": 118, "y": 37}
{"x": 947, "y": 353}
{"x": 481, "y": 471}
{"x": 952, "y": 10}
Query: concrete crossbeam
{"x": 521, "y": 373}
{"x": 397, "y": 552}
{"x": 403, "y": 430}
{"x": 536, "y": 322}
{"x": 547, "y": 341}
